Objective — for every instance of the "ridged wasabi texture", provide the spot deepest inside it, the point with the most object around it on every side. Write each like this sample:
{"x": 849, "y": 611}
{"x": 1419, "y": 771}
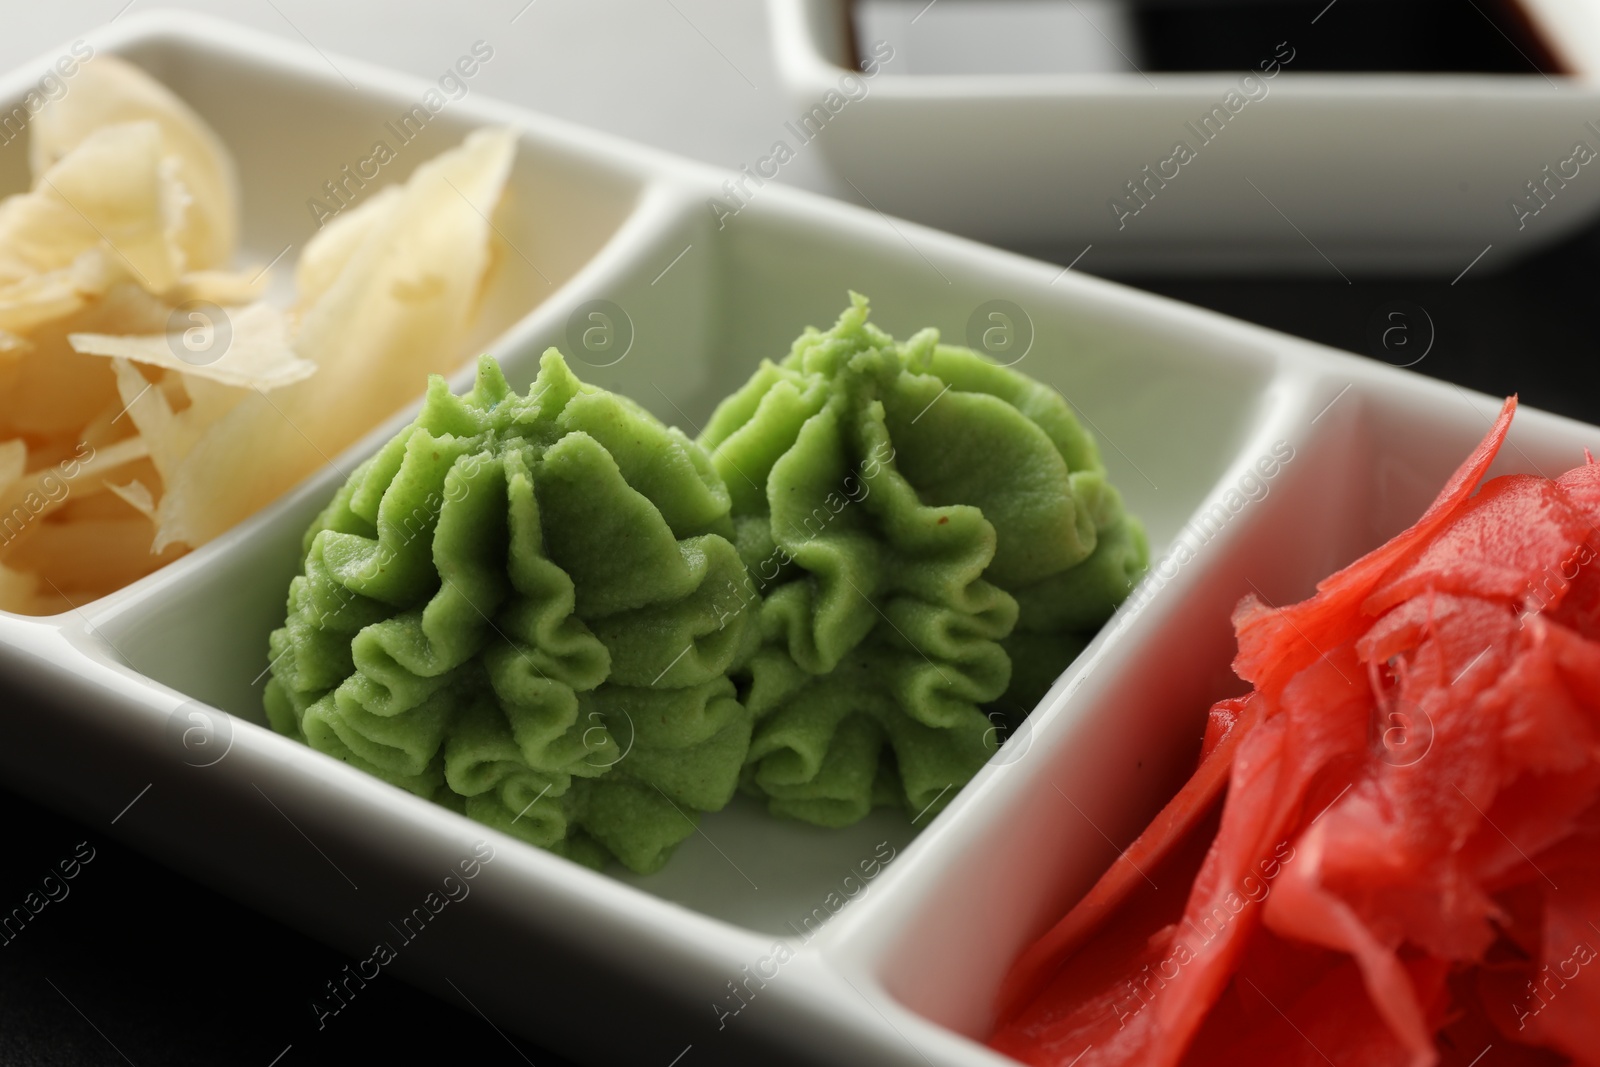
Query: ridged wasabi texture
{"x": 526, "y": 609}
{"x": 930, "y": 537}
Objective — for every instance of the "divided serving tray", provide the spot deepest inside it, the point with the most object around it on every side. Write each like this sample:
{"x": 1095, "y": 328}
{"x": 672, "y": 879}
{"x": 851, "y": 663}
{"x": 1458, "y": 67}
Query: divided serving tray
{"x": 762, "y": 941}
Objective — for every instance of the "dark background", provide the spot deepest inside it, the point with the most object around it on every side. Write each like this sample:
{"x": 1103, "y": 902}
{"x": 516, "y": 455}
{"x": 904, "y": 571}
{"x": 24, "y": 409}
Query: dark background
{"x": 139, "y": 965}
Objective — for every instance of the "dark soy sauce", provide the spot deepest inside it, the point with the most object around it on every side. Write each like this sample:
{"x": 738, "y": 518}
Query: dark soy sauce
{"x": 1357, "y": 36}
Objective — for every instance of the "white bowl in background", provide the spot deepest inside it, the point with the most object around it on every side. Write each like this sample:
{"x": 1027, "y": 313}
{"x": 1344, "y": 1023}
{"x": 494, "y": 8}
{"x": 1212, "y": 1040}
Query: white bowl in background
{"x": 1325, "y": 174}
{"x": 895, "y": 969}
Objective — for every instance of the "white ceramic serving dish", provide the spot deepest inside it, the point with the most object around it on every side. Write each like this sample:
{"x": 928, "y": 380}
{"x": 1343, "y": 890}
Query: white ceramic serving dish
{"x": 1319, "y": 173}
{"x": 115, "y": 712}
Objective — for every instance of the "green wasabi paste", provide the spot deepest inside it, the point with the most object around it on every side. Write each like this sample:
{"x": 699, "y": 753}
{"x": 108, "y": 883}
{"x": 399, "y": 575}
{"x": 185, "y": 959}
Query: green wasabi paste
{"x": 930, "y": 538}
{"x": 568, "y": 621}
{"x": 517, "y": 609}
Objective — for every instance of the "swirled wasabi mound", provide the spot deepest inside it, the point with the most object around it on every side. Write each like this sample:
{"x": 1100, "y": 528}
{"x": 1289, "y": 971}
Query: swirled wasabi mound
{"x": 525, "y": 608}
{"x": 930, "y": 537}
